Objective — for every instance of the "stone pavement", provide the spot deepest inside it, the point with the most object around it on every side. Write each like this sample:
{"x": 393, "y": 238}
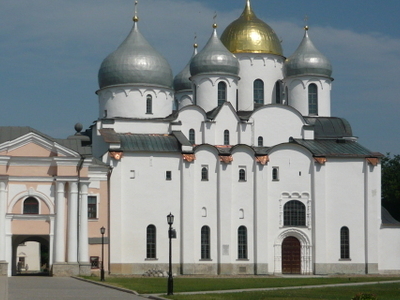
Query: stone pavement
{"x": 61, "y": 288}
{"x": 3, "y": 287}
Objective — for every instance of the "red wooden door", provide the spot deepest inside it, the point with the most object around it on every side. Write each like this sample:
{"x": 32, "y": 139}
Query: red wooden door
{"x": 291, "y": 256}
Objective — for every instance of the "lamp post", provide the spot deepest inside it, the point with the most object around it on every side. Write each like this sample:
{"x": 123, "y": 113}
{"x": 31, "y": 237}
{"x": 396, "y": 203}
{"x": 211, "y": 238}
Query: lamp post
{"x": 102, "y": 231}
{"x": 170, "y": 221}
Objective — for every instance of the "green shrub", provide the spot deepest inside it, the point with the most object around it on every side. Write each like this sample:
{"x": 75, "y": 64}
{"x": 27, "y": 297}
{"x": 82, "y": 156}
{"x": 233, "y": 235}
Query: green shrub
{"x": 364, "y": 296}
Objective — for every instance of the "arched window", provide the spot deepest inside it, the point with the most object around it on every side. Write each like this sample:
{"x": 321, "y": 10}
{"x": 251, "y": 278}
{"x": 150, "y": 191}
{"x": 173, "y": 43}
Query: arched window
{"x": 151, "y": 242}
{"x": 204, "y": 174}
{"x": 260, "y": 141}
{"x": 242, "y": 242}
{"x": 221, "y": 93}
{"x": 275, "y": 173}
{"x": 313, "y": 99}
{"x": 294, "y": 213}
{"x": 149, "y": 104}
{"x": 192, "y": 136}
{"x": 278, "y": 93}
{"x": 242, "y": 175}
{"x": 258, "y": 90}
{"x": 31, "y": 206}
{"x": 226, "y": 137}
{"x": 344, "y": 243}
{"x": 205, "y": 242}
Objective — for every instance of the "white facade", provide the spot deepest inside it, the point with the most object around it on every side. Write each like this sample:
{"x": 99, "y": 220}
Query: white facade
{"x": 247, "y": 181}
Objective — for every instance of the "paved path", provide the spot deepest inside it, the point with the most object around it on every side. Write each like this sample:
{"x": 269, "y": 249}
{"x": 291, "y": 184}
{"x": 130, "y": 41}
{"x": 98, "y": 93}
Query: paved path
{"x": 61, "y": 288}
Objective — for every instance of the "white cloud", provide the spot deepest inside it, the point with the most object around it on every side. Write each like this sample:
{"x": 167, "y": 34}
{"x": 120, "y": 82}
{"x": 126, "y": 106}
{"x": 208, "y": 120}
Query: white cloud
{"x": 54, "y": 49}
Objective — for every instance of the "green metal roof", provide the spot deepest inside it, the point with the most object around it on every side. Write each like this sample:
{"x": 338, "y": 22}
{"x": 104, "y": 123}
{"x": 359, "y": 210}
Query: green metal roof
{"x": 149, "y": 143}
{"x": 9, "y": 133}
{"x": 330, "y": 127}
{"x": 335, "y": 148}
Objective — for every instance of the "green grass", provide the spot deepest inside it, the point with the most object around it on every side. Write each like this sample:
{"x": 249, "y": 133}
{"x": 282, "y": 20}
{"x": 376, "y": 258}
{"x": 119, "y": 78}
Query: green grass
{"x": 389, "y": 291}
{"x": 146, "y": 285}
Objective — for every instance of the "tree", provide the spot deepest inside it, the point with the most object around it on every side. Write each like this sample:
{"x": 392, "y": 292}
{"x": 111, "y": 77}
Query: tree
{"x": 391, "y": 184}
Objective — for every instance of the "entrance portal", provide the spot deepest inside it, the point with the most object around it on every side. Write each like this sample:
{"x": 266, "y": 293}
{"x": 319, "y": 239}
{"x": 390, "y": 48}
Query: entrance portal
{"x": 291, "y": 256}
{"x": 30, "y": 255}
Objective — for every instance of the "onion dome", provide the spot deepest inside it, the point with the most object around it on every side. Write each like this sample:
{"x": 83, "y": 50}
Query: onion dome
{"x": 135, "y": 62}
{"x": 182, "y": 81}
{"x": 248, "y": 34}
{"x": 307, "y": 60}
{"x": 214, "y": 58}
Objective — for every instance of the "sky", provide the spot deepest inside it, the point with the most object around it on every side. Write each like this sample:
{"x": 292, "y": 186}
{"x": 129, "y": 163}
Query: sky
{"x": 51, "y": 51}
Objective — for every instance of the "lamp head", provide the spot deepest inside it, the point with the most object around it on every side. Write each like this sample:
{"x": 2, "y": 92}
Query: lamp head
{"x": 170, "y": 219}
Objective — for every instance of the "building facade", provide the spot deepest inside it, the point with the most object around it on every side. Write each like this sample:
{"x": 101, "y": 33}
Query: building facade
{"x": 240, "y": 147}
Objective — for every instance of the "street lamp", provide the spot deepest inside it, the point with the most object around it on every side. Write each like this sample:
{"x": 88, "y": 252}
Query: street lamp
{"x": 102, "y": 231}
{"x": 170, "y": 221}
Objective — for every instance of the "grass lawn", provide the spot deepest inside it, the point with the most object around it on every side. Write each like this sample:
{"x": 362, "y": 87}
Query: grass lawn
{"x": 146, "y": 285}
{"x": 390, "y": 291}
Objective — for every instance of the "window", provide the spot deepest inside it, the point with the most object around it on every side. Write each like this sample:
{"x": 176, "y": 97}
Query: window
{"x": 168, "y": 175}
{"x": 258, "y": 90}
{"x": 204, "y": 174}
{"x": 221, "y": 93}
{"x": 294, "y": 214}
{"x": 205, "y": 242}
{"x": 151, "y": 242}
{"x": 226, "y": 137}
{"x": 313, "y": 99}
{"x": 242, "y": 175}
{"x": 275, "y": 173}
{"x": 260, "y": 141}
{"x": 92, "y": 207}
{"x": 344, "y": 243}
{"x": 242, "y": 242}
{"x": 31, "y": 206}
{"x": 149, "y": 104}
{"x": 278, "y": 94}
{"x": 192, "y": 136}
{"x": 95, "y": 262}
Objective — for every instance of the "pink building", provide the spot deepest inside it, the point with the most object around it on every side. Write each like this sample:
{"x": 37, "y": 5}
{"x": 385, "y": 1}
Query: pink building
{"x": 52, "y": 191}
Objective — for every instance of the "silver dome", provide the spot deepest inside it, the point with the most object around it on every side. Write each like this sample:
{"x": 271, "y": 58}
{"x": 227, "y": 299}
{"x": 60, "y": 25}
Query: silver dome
{"x": 307, "y": 60}
{"x": 135, "y": 62}
{"x": 182, "y": 81}
{"x": 215, "y": 58}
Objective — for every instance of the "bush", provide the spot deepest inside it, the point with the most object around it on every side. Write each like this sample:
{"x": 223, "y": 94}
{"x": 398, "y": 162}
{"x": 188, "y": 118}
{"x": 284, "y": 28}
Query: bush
{"x": 362, "y": 296}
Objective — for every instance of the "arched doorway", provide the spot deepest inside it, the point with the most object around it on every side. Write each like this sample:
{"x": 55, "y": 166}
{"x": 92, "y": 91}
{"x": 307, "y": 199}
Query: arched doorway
{"x": 19, "y": 265}
{"x": 291, "y": 256}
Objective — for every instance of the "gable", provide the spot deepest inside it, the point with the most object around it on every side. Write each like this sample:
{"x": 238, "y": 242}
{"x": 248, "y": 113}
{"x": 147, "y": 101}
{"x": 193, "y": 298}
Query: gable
{"x": 34, "y": 145}
{"x": 30, "y": 149}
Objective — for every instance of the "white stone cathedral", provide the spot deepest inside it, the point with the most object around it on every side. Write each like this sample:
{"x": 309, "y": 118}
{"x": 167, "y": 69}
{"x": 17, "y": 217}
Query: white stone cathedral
{"x": 240, "y": 147}
{"x": 259, "y": 175}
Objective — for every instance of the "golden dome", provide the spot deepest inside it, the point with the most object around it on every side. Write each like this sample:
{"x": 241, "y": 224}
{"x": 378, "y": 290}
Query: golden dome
{"x": 248, "y": 34}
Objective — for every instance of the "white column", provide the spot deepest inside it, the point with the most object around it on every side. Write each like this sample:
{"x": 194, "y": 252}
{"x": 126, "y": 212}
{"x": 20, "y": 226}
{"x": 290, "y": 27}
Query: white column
{"x": 83, "y": 225}
{"x": 73, "y": 223}
{"x": 3, "y": 207}
{"x": 59, "y": 251}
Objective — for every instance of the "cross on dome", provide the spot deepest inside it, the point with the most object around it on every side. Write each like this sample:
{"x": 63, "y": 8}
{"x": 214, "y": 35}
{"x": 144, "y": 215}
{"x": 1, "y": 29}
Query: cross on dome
{"x": 135, "y": 17}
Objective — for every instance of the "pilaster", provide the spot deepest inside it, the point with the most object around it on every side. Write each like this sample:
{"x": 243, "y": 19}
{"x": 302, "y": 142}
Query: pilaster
{"x": 83, "y": 221}
{"x": 73, "y": 222}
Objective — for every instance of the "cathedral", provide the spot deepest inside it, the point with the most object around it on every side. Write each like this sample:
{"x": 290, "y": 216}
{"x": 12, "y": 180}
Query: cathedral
{"x": 240, "y": 147}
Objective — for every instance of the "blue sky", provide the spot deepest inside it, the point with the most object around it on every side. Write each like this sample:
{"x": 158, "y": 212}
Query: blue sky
{"x": 51, "y": 51}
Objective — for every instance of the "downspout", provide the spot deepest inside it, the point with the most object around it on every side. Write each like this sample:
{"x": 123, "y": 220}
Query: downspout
{"x": 108, "y": 217}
